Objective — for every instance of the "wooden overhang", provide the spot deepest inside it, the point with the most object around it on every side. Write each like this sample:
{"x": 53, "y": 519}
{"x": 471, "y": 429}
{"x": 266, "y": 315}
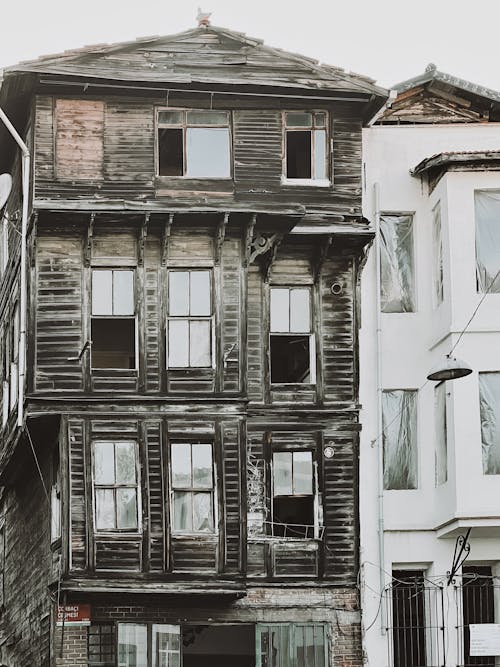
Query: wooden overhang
{"x": 180, "y": 588}
{"x": 434, "y": 167}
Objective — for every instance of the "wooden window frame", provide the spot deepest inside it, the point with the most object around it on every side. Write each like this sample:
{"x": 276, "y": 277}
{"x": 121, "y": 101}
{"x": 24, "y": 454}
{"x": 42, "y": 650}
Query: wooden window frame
{"x": 311, "y": 182}
{"x": 113, "y": 487}
{"x": 184, "y": 126}
{"x": 149, "y": 638}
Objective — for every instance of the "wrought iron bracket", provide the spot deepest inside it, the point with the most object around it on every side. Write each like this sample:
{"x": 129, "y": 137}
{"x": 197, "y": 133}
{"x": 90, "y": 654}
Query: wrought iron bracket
{"x": 462, "y": 550}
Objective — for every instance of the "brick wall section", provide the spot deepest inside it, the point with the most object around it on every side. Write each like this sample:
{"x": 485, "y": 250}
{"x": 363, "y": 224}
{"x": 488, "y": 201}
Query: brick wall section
{"x": 74, "y": 647}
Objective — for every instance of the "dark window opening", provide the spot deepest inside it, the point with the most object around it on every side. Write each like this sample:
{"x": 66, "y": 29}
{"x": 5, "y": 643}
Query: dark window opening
{"x": 478, "y": 607}
{"x": 293, "y": 516}
{"x": 171, "y": 151}
{"x": 298, "y": 154}
{"x": 408, "y": 613}
{"x": 290, "y": 359}
{"x": 224, "y": 646}
{"x": 101, "y": 645}
{"x": 113, "y": 343}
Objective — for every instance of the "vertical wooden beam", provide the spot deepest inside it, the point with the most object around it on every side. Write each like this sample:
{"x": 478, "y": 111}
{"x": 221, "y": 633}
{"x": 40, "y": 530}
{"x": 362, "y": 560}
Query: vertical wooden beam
{"x": 142, "y": 240}
{"x": 165, "y": 238}
{"x": 88, "y": 245}
{"x": 219, "y": 240}
{"x": 248, "y": 240}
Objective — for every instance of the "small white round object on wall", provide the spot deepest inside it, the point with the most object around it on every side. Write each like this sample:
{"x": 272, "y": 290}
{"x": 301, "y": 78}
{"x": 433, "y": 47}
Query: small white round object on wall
{"x": 328, "y": 452}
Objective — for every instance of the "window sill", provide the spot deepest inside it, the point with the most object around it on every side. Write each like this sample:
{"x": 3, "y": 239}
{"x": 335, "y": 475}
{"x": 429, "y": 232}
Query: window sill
{"x": 308, "y": 182}
{"x": 165, "y": 177}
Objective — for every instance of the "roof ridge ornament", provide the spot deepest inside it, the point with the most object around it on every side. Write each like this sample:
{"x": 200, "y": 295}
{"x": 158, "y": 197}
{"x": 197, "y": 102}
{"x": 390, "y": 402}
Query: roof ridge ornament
{"x": 203, "y": 18}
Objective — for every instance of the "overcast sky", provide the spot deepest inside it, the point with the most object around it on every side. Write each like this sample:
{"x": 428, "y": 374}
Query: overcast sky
{"x": 389, "y": 40}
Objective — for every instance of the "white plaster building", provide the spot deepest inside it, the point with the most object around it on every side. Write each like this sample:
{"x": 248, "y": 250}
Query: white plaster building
{"x": 430, "y": 455}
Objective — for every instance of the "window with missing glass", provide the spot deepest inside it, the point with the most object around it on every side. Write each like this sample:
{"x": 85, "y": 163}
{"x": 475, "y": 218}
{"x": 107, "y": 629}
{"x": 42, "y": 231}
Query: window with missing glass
{"x": 193, "y": 143}
{"x": 487, "y": 214}
{"x": 306, "y": 146}
{"x": 292, "y": 343}
{"x": 294, "y": 499}
{"x": 116, "y": 485}
{"x": 190, "y": 320}
{"x": 113, "y": 321}
{"x": 193, "y": 487}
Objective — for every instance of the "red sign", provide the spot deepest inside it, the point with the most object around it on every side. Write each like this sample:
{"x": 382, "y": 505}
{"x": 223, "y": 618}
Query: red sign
{"x": 74, "y": 614}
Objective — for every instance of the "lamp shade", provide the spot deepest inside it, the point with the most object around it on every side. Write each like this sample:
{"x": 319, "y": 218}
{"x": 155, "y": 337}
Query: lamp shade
{"x": 449, "y": 369}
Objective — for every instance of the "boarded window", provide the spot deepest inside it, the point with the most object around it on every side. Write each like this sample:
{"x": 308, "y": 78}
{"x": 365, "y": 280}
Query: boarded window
{"x": 79, "y": 140}
{"x": 193, "y": 487}
{"x": 399, "y": 419}
{"x": 190, "y": 320}
{"x": 292, "y": 345}
{"x": 195, "y": 144}
{"x": 408, "y": 617}
{"x": 113, "y": 326}
{"x": 441, "y": 452}
{"x": 306, "y": 145}
{"x": 437, "y": 253}
{"x": 291, "y": 645}
{"x": 487, "y": 212}
{"x": 294, "y": 500}
{"x": 396, "y": 264}
{"x": 115, "y": 485}
{"x": 489, "y": 403}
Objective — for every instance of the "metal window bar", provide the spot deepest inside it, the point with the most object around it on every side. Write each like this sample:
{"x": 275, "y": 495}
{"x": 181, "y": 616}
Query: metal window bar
{"x": 414, "y": 623}
{"x": 475, "y": 599}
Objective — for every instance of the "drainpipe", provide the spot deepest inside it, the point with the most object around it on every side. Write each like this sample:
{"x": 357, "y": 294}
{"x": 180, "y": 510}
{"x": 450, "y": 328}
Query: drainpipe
{"x": 380, "y": 441}
{"x": 24, "y": 233}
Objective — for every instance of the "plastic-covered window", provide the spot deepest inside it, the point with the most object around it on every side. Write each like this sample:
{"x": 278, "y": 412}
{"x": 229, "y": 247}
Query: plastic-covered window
{"x": 441, "y": 452}
{"x": 396, "y": 264}
{"x": 489, "y": 404}
{"x": 487, "y": 212}
{"x": 437, "y": 245}
{"x": 399, "y": 420}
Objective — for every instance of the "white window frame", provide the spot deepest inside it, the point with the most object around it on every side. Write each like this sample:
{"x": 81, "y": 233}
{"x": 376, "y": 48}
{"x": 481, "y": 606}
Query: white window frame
{"x": 137, "y": 486}
{"x": 184, "y": 125}
{"x": 313, "y": 181}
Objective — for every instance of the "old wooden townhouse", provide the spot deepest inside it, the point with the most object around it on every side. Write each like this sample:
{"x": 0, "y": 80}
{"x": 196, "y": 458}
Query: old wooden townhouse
{"x": 179, "y": 356}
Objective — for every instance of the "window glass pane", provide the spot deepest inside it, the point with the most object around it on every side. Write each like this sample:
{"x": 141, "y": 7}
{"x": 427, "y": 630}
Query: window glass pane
{"x": 202, "y": 512}
{"x": 200, "y": 293}
{"x": 300, "y": 310}
{"x": 441, "y": 452}
{"x": 207, "y": 118}
{"x": 202, "y": 466}
{"x": 320, "y": 119}
{"x": 125, "y": 463}
{"x": 105, "y": 509}
{"x": 171, "y": 152}
{"x": 489, "y": 404}
{"x": 178, "y": 293}
{"x": 182, "y": 510}
{"x": 396, "y": 264}
{"x": 166, "y": 645}
{"x": 282, "y": 473}
{"x": 200, "y": 344}
{"x": 207, "y": 152}
{"x": 299, "y": 641}
{"x": 104, "y": 463}
{"x": 132, "y": 645}
{"x": 302, "y": 473}
{"x": 126, "y": 508}
{"x": 487, "y": 212}
{"x": 280, "y": 309}
{"x": 181, "y": 465}
{"x": 102, "y": 293}
{"x": 437, "y": 256}
{"x": 178, "y": 343}
{"x": 123, "y": 292}
{"x": 319, "y": 154}
{"x": 171, "y": 117}
{"x": 399, "y": 421}
{"x": 297, "y": 119}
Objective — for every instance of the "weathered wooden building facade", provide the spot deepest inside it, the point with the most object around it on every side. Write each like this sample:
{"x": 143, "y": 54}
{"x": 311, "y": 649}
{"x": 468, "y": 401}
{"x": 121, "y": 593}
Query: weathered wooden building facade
{"x": 185, "y": 471}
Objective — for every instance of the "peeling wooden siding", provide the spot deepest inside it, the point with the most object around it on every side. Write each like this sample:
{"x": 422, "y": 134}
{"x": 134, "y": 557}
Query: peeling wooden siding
{"x": 79, "y": 135}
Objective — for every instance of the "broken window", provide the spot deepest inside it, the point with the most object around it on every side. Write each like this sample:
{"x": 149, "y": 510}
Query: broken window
{"x": 292, "y": 345}
{"x": 294, "y": 498}
{"x": 190, "y": 320}
{"x": 487, "y": 213}
{"x": 138, "y": 641}
{"x": 441, "y": 452}
{"x": 399, "y": 421}
{"x": 292, "y": 645}
{"x": 115, "y": 485}
{"x": 113, "y": 326}
{"x": 437, "y": 245}
{"x": 396, "y": 264}
{"x": 192, "y": 487}
{"x": 306, "y": 146}
{"x": 195, "y": 144}
{"x": 489, "y": 404}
